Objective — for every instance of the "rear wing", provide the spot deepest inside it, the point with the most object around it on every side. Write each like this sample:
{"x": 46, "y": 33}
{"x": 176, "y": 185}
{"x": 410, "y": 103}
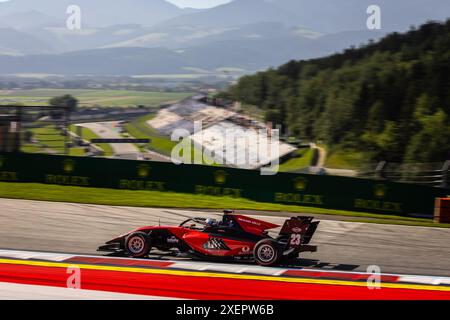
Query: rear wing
{"x": 300, "y": 225}
{"x": 252, "y": 225}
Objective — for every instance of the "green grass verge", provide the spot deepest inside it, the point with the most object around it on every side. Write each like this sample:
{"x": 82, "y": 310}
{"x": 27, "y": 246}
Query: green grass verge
{"x": 77, "y": 152}
{"x": 50, "y": 140}
{"x": 88, "y": 135}
{"x": 302, "y": 160}
{"x": 345, "y": 159}
{"x": 33, "y": 191}
{"x": 31, "y": 148}
{"x": 50, "y": 137}
{"x": 90, "y": 98}
{"x": 139, "y": 129}
{"x": 429, "y": 223}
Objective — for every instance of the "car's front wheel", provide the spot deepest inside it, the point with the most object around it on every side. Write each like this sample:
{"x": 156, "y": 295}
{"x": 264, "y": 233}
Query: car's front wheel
{"x": 138, "y": 245}
{"x": 267, "y": 252}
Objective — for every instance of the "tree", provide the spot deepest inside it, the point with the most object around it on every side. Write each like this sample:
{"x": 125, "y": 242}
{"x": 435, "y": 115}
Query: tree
{"x": 65, "y": 101}
{"x": 388, "y": 100}
{"x": 431, "y": 143}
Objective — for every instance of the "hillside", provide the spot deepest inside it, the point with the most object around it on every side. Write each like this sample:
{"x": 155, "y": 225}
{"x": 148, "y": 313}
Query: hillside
{"x": 331, "y": 16}
{"x": 117, "y": 61}
{"x": 326, "y": 16}
{"x": 388, "y": 100}
{"x": 248, "y": 35}
{"x": 16, "y": 43}
{"x": 248, "y": 55}
{"x": 98, "y": 12}
{"x": 235, "y": 13}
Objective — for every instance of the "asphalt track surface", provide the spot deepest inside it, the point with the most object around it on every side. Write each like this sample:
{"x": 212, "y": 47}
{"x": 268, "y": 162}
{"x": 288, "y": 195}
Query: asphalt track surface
{"x": 348, "y": 246}
{"x": 105, "y": 130}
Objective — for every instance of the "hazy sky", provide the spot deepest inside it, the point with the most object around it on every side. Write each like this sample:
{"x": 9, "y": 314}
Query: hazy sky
{"x": 198, "y": 3}
{"x": 191, "y": 3}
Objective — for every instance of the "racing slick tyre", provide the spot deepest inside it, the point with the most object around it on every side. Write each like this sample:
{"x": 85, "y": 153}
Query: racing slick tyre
{"x": 267, "y": 252}
{"x": 138, "y": 245}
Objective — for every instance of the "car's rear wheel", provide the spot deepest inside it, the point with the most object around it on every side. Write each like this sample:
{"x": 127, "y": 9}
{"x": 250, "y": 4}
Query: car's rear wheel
{"x": 267, "y": 252}
{"x": 138, "y": 245}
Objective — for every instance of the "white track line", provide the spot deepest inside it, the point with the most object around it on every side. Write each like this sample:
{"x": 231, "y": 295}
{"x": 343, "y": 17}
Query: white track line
{"x": 14, "y": 291}
{"x": 199, "y": 266}
{"x": 26, "y": 255}
{"x": 218, "y": 267}
{"x": 425, "y": 280}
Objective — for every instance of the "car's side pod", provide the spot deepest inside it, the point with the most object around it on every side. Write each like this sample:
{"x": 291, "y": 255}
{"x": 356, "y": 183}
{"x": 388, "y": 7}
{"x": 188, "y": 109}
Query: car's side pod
{"x": 300, "y": 225}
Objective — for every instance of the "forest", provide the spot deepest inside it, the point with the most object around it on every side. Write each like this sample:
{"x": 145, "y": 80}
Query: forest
{"x": 387, "y": 100}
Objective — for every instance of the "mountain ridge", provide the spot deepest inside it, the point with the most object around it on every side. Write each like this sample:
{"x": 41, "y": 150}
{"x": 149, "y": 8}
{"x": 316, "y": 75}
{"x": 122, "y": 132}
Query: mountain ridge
{"x": 99, "y": 12}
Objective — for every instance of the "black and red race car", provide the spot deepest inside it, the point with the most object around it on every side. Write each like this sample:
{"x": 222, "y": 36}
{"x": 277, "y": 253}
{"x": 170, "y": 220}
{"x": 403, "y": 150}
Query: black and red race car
{"x": 235, "y": 237}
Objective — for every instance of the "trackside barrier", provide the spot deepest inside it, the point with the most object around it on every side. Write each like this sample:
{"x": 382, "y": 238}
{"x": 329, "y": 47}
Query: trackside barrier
{"x": 442, "y": 210}
{"x": 332, "y": 192}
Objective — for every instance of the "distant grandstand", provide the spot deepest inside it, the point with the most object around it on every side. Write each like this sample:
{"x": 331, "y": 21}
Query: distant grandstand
{"x": 216, "y": 123}
{"x": 246, "y": 153}
{"x": 183, "y": 114}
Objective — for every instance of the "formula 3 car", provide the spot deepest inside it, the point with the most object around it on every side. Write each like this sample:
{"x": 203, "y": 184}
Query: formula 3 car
{"x": 235, "y": 237}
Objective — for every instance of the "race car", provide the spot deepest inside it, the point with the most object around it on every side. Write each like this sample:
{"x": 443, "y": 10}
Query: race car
{"x": 235, "y": 237}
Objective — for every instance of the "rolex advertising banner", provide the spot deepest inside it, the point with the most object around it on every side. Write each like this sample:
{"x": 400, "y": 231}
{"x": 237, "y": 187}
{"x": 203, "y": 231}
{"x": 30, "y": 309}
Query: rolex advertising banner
{"x": 340, "y": 193}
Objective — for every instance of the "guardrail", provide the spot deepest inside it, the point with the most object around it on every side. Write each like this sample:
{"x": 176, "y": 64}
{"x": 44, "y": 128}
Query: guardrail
{"x": 332, "y": 192}
{"x": 429, "y": 174}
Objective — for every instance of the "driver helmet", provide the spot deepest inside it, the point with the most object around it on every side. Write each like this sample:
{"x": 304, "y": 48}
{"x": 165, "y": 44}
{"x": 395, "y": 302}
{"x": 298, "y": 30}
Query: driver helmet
{"x": 211, "y": 222}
